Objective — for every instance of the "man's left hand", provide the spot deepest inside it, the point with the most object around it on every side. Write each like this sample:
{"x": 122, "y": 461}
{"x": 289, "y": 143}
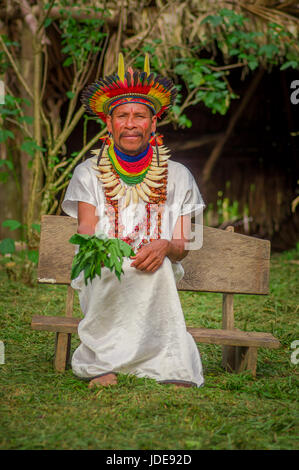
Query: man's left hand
{"x": 151, "y": 256}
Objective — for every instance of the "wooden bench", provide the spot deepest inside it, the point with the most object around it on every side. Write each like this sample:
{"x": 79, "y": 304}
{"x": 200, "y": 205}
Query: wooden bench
{"x": 227, "y": 263}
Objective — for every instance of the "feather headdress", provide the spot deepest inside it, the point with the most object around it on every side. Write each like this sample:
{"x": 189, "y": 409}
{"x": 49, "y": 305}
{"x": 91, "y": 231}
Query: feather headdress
{"x": 155, "y": 91}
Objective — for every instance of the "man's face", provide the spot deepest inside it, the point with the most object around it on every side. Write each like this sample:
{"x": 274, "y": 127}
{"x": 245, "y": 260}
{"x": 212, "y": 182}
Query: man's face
{"x": 131, "y": 126}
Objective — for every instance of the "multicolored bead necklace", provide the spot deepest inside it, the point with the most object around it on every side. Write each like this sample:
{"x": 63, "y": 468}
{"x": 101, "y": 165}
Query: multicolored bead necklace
{"x": 132, "y": 170}
{"x": 133, "y": 178}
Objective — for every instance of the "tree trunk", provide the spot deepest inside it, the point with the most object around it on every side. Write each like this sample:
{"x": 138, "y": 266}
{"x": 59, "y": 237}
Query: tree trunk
{"x": 26, "y": 65}
{"x": 10, "y": 207}
{"x": 33, "y": 210}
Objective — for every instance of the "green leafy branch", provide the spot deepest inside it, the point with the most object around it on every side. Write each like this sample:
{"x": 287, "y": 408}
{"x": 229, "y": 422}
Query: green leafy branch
{"x": 97, "y": 251}
{"x": 245, "y": 46}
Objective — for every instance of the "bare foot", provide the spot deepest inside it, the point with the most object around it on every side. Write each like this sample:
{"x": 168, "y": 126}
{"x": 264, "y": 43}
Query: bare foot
{"x": 103, "y": 381}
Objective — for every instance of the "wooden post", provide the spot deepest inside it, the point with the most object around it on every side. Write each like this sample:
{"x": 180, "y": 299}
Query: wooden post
{"x": 69, "y": 302}
{"x": 63, "y": 340}
{"x": 246, "y": 359}
{"x": 62, "y": 348}
{"x": 235, "y": 358}
{"x": 228, "y": 352}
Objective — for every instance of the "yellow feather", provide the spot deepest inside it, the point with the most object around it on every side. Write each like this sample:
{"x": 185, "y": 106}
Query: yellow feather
{"x": 121, "y": 67}
{"x": 146, "y": 64}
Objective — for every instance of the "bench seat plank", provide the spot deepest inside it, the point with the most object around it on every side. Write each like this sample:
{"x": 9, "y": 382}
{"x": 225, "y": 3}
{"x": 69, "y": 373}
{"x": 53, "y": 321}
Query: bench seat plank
{"x": 58, "y": 324}
{"x": 234, "y": 337}
{"x": 201, "y": 335}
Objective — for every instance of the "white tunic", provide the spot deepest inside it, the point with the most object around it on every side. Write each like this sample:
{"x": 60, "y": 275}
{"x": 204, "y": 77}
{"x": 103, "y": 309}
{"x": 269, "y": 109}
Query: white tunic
{"x": 136, "y": 325}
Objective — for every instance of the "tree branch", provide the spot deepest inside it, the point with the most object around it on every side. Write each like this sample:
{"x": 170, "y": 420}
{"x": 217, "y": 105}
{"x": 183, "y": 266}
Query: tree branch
{"x": 31, "y": 20}
{"x": 17, "y": 123}
{"x": 20, "y": 110}
{"x": 42, "y": 22}
{"x": 14, "y": 66}
{"x": 149, "y": 30}
{"x": 65, "y": 134}
{"x": 80, "y": 155}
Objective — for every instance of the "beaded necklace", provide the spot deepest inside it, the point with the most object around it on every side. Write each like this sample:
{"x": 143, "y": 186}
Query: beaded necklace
{"x": 123, "y": 187}
{"x": 131, "y": 170}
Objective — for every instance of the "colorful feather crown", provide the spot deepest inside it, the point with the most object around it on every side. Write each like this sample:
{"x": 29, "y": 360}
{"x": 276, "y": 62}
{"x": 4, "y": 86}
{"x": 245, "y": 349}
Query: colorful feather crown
{"x": 155, "y": 91}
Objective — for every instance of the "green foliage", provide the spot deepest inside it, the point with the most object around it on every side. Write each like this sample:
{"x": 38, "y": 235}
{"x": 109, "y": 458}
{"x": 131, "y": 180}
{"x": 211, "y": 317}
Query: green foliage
{"x": 4, "y": 174}
{"x": 97, "y": 251}
{"x": 225, "y": 210}
{"x": 4, "y": 64}
{"x": 209, "y": 85}
{"x": 80, "y": 38}
{"x": 244, "y": 45}
{"x": 29, "y": 146}
{"x": 7, "y": 245}
{"x": 5, "y": 134}
{"x": 13, "y": 108}
{"x": 12, "y": 224}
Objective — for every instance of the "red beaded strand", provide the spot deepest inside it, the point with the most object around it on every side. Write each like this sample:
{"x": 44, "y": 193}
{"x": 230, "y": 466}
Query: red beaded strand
{"x": 114, "y": 214}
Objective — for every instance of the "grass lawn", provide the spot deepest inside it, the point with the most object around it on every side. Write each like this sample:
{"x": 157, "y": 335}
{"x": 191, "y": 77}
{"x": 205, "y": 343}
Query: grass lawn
{"x": 42, "y": 409}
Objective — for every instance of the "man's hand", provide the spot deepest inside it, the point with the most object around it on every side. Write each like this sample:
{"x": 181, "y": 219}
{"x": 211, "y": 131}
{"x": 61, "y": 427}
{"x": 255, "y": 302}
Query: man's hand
{"x": 150, "y": 257}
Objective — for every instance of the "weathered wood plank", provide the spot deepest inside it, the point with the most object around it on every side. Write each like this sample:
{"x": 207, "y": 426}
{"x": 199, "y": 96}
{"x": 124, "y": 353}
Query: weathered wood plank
{"x": 201, "y": 335}
{"x": 69, "y": 302}
{"x": 227, "y": 262}
{"x": 62, "y": 351}
{"x": 58, "y": 324}
{"x": 246, "y": 359}
{"x": 234, "y": 338}
{"x": 56, "y": 253}
{"x": 228, "y": 352}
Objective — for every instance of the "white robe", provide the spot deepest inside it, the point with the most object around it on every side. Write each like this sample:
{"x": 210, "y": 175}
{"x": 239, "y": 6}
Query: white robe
{"x": 136, "y": 325}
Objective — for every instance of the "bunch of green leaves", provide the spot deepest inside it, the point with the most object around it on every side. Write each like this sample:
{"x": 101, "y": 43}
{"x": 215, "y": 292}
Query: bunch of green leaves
{"x": 81, "y": 37}
{"x": 245, "y": 45}
{"x": 97, "y": 251}
{"x": 207, "y": 84}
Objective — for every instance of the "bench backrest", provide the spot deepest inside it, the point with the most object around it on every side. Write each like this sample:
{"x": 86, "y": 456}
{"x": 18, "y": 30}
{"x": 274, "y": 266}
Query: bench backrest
{"x": 228, "y": 262}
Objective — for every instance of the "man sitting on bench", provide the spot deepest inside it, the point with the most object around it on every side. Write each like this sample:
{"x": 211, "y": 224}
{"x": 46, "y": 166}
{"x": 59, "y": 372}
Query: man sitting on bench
{"x": 133, "y": 192}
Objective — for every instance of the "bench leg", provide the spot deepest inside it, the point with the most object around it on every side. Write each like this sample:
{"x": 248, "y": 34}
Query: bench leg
{"x": 239, "y": 358}
{"x": 246, "y": 359}
{"x": 62, "y": 351}
{"x": 229, "y": 358}
{"x": 228, "y": 352}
